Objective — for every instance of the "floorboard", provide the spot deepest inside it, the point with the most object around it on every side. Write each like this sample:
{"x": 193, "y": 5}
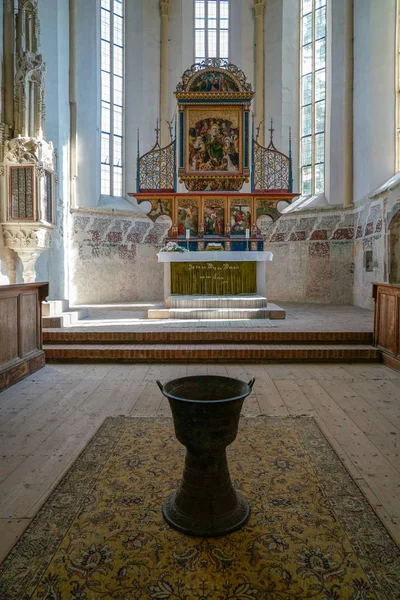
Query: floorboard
{"x": 47, "y": 419}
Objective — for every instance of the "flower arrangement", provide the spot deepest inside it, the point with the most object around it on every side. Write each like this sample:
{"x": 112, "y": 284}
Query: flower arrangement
{"x": 173, "y": 247}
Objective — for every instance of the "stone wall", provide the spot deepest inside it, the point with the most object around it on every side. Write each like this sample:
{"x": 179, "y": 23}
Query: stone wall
{"x": 329, "y": 256}
{"x": 113, "y": 258}
{"x": 320, "y": 256}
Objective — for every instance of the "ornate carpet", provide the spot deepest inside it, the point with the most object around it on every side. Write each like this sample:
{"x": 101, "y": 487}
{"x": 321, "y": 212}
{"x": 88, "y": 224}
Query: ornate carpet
{"x": 101, "y": 535}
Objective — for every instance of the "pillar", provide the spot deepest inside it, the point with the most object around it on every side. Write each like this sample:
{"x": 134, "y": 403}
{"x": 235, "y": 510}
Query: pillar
{"x": 339, "y": 104}
{"x": 164, "y": 131}
{"x": 259, "y": 10}
{"x": 72, "y": 99}
{"x": 8, "y": 63}
{"x": 348, "y": 102}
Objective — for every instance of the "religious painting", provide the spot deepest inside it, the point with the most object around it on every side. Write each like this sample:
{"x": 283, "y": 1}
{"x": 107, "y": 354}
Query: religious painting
{"x": 188, "y": 216}
{"x": 266, "y": 214}
{"x": 240, "y": 216}
{"x": 213, "y": 81}
{"x": 214, "y": 140}
{"x": 214, "y": 216}
{"x": 161, "y": 207}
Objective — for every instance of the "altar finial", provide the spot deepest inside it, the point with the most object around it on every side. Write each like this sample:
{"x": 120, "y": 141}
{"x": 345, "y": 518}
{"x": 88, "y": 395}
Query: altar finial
{"x": 157, "y": 130}
{"x": 290, "y": 161}
{"x": 271, "y": 132}
{"x": 170, "y": 127}
{"x": 138, "y": 151}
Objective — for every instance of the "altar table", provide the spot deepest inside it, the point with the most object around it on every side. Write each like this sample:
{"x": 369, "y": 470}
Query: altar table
{"x": 214, "y": 273}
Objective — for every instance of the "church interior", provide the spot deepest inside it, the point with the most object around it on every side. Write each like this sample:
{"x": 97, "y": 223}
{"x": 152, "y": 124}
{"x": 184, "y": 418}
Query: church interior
{"x": 200, "y": 299}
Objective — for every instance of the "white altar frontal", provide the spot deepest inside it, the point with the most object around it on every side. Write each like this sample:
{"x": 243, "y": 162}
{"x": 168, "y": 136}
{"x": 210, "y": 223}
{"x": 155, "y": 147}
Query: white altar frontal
{"x": 220, "y": 273}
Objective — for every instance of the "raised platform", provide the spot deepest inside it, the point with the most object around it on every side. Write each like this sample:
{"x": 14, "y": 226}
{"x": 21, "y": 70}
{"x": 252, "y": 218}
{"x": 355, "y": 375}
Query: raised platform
{"x": 243, "y": 306}
{"x": 310, "y": 333}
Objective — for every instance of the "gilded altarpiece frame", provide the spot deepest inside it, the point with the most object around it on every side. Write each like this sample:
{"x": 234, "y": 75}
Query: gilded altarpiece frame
{"x": 214, "y": 127}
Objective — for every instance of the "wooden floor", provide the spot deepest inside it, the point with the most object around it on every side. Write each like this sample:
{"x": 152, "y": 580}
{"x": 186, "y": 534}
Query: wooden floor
{"x": 47, "y": 419}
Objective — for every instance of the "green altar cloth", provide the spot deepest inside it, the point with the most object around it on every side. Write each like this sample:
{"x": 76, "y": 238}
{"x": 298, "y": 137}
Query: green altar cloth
{"x": 220, "y": 278}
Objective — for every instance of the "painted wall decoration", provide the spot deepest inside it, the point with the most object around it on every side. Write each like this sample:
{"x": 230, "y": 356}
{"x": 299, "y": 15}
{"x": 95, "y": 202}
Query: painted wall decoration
{"x": 214, "y": 216}
{"x": 240, "y": 216}
{"x": 188, "y": 215}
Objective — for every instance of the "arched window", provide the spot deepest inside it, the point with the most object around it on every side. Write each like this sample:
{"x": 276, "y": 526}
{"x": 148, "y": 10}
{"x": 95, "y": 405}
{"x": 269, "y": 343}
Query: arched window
{"x": 112, "y": 96}
{"x": 397, "y": 84}
{"x": 313, "y": 92}
{"x": 211, "y": 29}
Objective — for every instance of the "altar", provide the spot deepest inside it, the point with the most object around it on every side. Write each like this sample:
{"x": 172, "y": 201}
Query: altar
{"x": 219, "y": 273}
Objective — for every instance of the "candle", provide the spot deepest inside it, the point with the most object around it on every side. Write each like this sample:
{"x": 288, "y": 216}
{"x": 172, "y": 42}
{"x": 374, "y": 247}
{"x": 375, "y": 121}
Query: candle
{"x": 247, "y": 233}
{"x": 187, "y": 234}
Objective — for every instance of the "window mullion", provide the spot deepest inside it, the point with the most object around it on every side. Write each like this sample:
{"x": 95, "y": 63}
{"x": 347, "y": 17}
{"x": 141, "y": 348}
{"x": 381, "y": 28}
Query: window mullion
{"x": 218, "y": 30}
{"x": 206, "y": 28}
{"x": 111, "y": 98}
{"x": 313, "y": 109}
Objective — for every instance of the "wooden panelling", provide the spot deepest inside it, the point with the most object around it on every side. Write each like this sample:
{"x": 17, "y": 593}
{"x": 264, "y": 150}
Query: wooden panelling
{"x": 387, "y": 322}
{"x": 20, "y": 331}
{"x": 9, "y": 333}
{"x": 29, "y": 318}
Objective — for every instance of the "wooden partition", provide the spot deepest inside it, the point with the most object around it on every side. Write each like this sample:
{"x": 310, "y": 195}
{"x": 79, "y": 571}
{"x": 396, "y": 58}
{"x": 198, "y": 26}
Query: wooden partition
{"x": 21, "y": 331}
{"x": 387, "y": 322}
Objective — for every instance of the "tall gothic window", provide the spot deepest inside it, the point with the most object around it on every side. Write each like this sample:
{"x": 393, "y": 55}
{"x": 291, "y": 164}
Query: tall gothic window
{"x": 211, "y": 29}
{"x": 397, "y": 84}
{"x": 313, "y": 89}
{"x": 112, "y": 97}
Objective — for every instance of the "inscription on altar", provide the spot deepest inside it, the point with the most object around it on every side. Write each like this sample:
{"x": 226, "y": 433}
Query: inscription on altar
{"x": 213, "y": 278}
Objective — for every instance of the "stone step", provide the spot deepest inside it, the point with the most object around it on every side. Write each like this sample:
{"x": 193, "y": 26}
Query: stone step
{"x": 211, "y": 354}
{"x": 65, "y": 319}
{"x": 242, "y": 301}
{"x": 52, "y": 308}
{"x": 270, "y": 312}
{"x": 207, "y": 335}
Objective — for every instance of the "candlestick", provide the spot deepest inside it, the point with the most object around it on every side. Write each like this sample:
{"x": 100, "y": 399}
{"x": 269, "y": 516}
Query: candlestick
{"x": 187, "y": 234}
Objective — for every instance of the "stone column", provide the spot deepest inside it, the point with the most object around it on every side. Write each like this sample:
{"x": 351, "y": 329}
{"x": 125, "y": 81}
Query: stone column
{"x": 164, "y": 131}
{"x": 72, "y": 99}
{"x": 259, "y": 11}
{"x": 8, "y": 62}
{"x": 339, "y": 104}
{"x": 348, "y": 103}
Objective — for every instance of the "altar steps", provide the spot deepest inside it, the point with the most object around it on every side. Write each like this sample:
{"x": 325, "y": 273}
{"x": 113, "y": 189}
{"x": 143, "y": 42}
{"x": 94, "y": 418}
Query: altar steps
{"x": 209, "y": 345}
{"x": 215, "y": 314}
{"x": 244, "y": 306}
{"x": 211, "y": 353}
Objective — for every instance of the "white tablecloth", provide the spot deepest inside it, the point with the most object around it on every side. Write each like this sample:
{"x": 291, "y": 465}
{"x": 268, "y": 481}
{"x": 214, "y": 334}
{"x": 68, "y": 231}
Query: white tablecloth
{"x": 217, "y": 256}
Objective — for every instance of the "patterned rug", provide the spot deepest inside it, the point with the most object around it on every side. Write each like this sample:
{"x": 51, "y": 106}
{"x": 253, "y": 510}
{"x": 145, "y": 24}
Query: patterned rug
{"x": 101, "y": 535}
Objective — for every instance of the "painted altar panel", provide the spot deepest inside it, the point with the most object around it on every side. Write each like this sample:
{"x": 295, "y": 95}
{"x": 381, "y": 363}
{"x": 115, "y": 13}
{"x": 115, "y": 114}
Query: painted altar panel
{"x": 188, "y": 215}
{"x": 214, "y": 216}
{"x": 265, "y": 210}
{"x": 161, "y": 209}
{"x": 214, "y": 140}
{"x": 240, "y": 215}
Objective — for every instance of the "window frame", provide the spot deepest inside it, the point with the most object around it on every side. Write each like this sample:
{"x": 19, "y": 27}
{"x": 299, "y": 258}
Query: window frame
{"x": 206, "y": 29}
{"x": 314, "y": 102}
{"x": 397, "y": 88}
{"x": 113, "y": 107}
